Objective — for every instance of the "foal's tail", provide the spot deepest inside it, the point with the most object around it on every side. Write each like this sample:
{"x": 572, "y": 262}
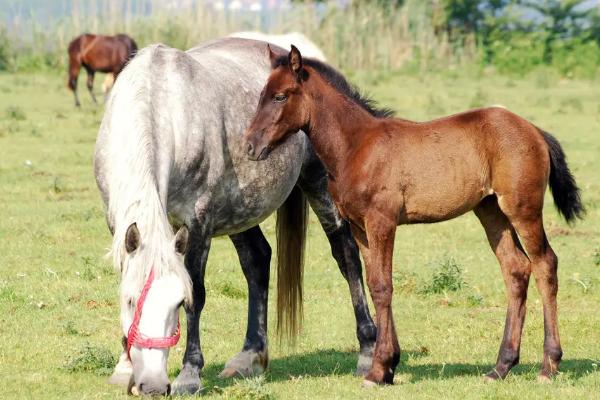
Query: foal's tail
{"x": 292, "y": 221}
{"x": 566, "y": 194}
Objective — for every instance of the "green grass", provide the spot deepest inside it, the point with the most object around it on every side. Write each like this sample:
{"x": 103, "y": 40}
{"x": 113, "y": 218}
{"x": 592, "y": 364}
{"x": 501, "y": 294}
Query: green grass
{"x": 58, "y": 295}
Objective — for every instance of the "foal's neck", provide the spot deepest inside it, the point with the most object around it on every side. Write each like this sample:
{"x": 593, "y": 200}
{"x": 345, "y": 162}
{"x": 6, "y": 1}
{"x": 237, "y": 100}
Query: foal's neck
{"x": 336, "y": 125}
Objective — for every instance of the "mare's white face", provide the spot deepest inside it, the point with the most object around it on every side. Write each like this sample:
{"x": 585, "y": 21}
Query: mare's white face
{"x": 160, "y": 311}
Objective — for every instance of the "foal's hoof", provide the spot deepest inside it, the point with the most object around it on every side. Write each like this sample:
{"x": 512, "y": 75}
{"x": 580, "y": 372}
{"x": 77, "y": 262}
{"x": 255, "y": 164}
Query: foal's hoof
{"x": 545, "y": 379}
{"x": 245, "y": 364}
{"x": 369, "y": 384}
{"x": 492, "y": 376}
{"x": 186, "y": 383}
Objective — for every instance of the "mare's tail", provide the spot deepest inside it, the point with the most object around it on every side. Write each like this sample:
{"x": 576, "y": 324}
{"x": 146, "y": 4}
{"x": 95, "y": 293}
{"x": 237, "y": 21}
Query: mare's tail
{"x": 292, "y": 221}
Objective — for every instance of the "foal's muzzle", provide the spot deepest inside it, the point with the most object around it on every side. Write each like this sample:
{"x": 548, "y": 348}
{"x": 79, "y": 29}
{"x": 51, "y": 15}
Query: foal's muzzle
{"x": 256, "y": 152}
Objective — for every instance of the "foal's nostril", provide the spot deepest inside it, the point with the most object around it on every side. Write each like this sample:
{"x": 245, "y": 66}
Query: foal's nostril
{"x": 249, "y": 148}
{"x": 168, "y": 389}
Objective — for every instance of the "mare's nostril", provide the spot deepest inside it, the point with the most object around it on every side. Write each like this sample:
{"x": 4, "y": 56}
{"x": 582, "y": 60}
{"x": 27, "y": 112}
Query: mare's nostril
{"x": 168, "y": 389}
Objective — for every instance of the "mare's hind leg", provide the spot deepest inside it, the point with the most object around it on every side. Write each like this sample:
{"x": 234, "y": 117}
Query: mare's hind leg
{"x": 188, "y": 380}
{"x": 90, "y": 83}
{"x": 313, "y": 182}
{"x": 516, "y": 270}
{"x": 74, "y": 67}
{"x": 254, "y": 253}
{"x": 527, "y": 220}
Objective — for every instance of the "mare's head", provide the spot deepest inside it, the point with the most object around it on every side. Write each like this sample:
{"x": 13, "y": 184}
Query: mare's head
{"x": 283, "y": 108}
{"x": 154, "y": 285}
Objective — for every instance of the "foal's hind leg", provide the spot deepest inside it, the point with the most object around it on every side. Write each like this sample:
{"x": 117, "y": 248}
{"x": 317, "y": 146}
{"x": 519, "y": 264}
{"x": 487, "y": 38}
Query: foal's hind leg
{"x": 313, "y": 182}
{"x": 530, "y": 227}
{"x": 516, "y": 270}
{"x": 254, "y": 253}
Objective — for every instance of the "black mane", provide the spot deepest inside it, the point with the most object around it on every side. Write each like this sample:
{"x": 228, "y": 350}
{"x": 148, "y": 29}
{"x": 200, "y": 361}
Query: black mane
{"x": 340, "y": 83}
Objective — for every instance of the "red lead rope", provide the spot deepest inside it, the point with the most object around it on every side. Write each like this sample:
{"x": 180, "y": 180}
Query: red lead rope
{"x": 136, "y": 338}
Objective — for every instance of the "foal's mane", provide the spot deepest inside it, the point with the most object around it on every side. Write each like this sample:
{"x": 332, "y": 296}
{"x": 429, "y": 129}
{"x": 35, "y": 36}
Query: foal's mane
{"x": 339, "y": 82}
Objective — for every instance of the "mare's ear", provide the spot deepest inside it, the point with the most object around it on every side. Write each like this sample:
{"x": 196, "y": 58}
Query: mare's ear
{"x": 272, "y": 57}
{"x": 295, "y": 61}
{"x": 132, "y": 238}
{"x": 181, "y": 240}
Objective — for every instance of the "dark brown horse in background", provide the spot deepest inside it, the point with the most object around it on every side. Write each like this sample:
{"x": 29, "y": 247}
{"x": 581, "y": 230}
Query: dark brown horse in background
{"x": 385, "y": 172}
{"x": 98, "y": 53}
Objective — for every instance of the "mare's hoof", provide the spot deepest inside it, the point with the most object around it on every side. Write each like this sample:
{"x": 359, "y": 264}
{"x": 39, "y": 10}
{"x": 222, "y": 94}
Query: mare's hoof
{"x": 230, "y": 373}
{"x": 123, "y": 372}
{"x": 545, "y": 379}
{"x": 119, "y": 379}
{"x": 245, "y": 364}
{"x": 186, "y": 383}
{"x": 365, "y": 361}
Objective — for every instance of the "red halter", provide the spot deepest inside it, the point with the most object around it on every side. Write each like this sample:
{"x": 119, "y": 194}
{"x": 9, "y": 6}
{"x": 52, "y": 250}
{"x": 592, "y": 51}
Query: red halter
{"x": 136, "y": 338}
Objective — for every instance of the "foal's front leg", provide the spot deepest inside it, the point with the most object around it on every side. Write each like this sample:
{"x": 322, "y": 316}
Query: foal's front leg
{"x": 377, "y": 249}
{"x": 313, "y": 182}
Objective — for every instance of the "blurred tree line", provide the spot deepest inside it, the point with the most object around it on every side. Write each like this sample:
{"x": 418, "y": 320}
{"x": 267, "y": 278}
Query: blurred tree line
{"x": 513, "y": 36}
{"x": 519, "y": 35}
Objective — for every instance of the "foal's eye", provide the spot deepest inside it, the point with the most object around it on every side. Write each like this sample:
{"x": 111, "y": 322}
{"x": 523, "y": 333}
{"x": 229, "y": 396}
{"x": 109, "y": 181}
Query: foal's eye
{"x": 280, "y": 97}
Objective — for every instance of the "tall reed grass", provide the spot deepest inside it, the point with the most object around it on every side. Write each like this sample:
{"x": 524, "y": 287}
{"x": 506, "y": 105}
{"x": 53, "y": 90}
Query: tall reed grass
{"x": 355, "y": 36}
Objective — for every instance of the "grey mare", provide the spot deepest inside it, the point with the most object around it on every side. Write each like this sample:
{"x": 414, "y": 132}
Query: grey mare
{"x": 171, "y": 145}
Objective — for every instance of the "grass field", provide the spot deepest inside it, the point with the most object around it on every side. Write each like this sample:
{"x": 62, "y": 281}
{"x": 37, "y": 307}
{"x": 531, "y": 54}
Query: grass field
{"x": 59, "y": 310}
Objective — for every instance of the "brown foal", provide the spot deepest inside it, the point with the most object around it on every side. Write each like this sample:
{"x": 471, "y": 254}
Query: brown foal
{"x": 385, "y": 172}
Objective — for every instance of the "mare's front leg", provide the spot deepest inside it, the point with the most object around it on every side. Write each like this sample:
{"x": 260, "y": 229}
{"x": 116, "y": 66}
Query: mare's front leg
{"x": 313, "y": 182}
{"x": 377, "y": 246}
{"x": 124, "y": 369}
{"x": 254, "y": 253}
{"x": 188, "y": 380}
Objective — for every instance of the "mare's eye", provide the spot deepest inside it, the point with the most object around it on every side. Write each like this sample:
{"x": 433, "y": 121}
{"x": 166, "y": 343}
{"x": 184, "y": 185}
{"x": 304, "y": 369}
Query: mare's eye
{"x": 280, "y": 97}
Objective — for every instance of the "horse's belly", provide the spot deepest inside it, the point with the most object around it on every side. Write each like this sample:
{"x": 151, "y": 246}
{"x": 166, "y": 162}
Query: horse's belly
{"x": 442, "y": 203}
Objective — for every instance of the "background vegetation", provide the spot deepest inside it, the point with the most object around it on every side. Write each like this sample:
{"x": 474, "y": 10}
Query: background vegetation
{"x": 512, "y": 36}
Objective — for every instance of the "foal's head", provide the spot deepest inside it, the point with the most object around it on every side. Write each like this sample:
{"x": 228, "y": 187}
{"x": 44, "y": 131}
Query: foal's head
{"x": 283, "y": 108}
{"x": 151, "y": 261}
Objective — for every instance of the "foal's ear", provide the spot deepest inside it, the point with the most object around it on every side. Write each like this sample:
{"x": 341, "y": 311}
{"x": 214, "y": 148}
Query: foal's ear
{"x": 272, "y": 57}
{"x": 181, "y": 240}
{"x": 132, "y": 238}
{"x": 295, "y": 61}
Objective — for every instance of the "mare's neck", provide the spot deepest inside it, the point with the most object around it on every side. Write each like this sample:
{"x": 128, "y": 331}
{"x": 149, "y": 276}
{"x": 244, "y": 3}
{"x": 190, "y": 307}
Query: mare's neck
{"x": 336, "y": 125}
